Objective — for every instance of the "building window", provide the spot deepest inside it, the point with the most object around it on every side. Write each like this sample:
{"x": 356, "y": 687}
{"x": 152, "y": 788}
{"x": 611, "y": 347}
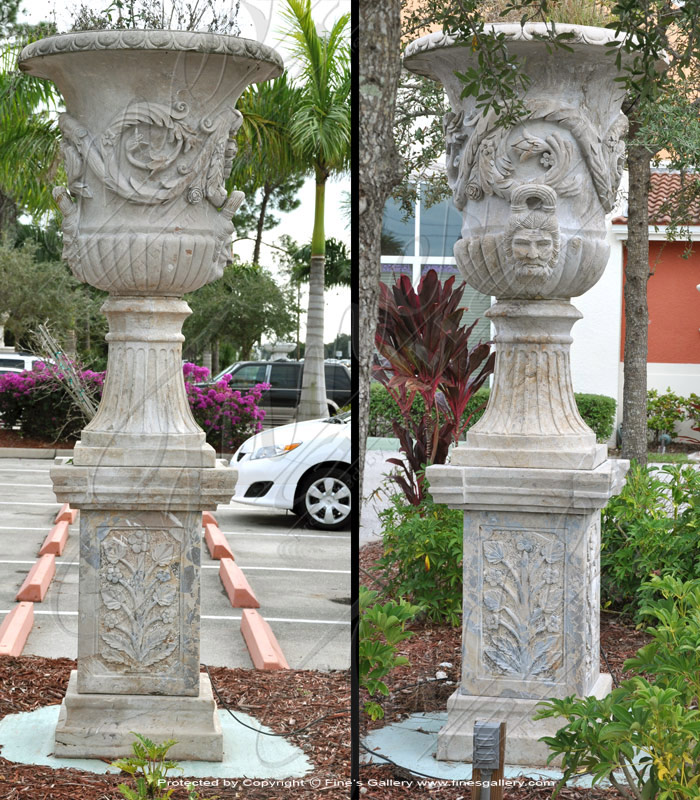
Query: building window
{"x": 425, "y": 241}
{"x": 398, "y": 234}
{"x": 440, "y": 227}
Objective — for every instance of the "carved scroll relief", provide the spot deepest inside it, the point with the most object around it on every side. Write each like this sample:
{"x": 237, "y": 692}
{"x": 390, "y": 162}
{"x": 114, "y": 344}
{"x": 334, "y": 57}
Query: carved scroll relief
{"x": 522, "y": 604}
{"x": 151, "y": 154}
{"x": 483, "y": 159}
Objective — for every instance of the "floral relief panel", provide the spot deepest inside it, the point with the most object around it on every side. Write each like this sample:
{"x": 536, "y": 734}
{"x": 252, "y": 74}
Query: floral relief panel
{"x": 522, "y": 603}
{"x": 139, "y": 601}
{"x": 139, "y": 612}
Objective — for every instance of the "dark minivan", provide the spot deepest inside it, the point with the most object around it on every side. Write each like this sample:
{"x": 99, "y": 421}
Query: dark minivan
{"x": 280, "y": 401}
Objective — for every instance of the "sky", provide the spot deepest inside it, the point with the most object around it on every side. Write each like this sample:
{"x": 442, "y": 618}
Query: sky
{"x": 261, "y": 20}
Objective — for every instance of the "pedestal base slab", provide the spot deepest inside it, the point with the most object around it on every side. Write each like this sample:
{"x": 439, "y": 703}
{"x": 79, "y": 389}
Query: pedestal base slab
{"x": 103, "y": 725}
{"x": 456, "y": 739}
{"x": 512, "y": 452}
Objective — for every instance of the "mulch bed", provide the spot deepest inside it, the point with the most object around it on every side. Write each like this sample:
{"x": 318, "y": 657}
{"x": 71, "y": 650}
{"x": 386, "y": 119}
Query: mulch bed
{"x": 10, "y": 438}
{"x": 415, "y": 688}
{"x": 285, "y": 701}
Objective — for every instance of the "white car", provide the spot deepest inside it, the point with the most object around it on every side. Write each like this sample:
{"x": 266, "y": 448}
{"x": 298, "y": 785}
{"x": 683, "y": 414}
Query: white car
{"x": 17, "y": 362}
{"x": 303, "y": 467}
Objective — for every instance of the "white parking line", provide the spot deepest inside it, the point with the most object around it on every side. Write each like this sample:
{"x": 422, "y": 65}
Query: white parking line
{"x": 288, "y": 533}
{"x": 207, "y": 616}
{"x": 29, "y": 485}
{"x": 3, "y": 503}
{"x": 13, "y": 528}
{"x": 204, "y": 566}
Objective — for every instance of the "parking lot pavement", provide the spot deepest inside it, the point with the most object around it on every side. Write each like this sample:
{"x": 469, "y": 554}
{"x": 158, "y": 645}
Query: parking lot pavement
{"x": 301, "y": 577}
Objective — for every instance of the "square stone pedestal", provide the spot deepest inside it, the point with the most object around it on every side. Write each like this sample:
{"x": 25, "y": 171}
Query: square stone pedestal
{"x": 456, "y": 739}
{"x": 103, "y": 725}
{"x": 531, "y": 624}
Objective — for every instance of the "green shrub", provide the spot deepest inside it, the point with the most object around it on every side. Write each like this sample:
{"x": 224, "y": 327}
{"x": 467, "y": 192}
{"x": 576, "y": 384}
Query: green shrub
{"x": 423, "y": 556}
{"x": 651, "y": 527}
{"x": 648, "y": 727}
{"x": 691, "y": 405}
{"x": 382, "y": 627}
{"x": 149, "y": 768}
{"x": 597, "y": 410}
{"x": 664, "y": 411}
{"x": 383, "y": 410}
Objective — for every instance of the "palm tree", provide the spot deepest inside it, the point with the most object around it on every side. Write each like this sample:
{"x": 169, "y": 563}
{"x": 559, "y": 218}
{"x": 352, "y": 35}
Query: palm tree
{"x": 266, "y": 159}
{"x": 28, "y": 134}
{"x": 320, "y": 135}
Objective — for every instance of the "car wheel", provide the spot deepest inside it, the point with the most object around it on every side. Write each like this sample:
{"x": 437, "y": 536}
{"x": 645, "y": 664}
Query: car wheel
{"x": 324, "y": 499}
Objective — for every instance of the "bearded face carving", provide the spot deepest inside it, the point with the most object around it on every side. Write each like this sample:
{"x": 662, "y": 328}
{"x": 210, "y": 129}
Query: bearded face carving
{"x": 531, "y": 240}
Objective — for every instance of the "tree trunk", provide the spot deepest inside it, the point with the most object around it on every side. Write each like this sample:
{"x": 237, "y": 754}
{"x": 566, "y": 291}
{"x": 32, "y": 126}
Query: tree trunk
{"x": 634, "y": 399}
{"x": 8, "y": 213}
{"x": 266, "y": 192}
{"x": 312, "y": 404}
{"x": 379, "y": 172}
{"x": 214, "y": 357}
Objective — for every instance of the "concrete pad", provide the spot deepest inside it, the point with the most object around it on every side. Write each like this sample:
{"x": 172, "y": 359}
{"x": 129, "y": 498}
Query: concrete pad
{"x": 56, "y": 540}
{"x": 102, "y": 725}
{"x": 28, "y": 738}
{"x": 15, "y": 629}
{"x": 36, "y": 584}
{"x": 412, "y": 743}
{"x": 237, "y": 588}
{"x": 261, "y": 643}
{"x": 216, "y": 542}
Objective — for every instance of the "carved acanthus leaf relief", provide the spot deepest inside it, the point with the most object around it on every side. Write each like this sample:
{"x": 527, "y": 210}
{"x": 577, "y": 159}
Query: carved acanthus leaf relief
{"x": 139, "y": 609}
{"x": 151, "y": 154}
{"x": 523, "y": 602}
{"x": 481, "y": 161}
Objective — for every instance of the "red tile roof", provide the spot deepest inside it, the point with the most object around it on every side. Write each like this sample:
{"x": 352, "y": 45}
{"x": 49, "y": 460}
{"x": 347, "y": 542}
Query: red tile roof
{"x": 664, "y": 186}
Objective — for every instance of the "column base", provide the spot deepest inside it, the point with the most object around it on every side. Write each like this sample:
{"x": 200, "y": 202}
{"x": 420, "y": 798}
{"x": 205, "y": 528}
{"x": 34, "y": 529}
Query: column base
{"x": 103, "y": 725}
{"x": 456, "y": 739}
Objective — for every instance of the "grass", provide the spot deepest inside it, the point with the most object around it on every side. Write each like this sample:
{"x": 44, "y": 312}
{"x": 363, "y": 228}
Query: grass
{"x": 668, "y": 458}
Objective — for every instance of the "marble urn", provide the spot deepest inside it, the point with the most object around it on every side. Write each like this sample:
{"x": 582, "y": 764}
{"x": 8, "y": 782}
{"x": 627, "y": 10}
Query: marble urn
{"x": 530, "y": 477}
{"x": 148, "y": 140}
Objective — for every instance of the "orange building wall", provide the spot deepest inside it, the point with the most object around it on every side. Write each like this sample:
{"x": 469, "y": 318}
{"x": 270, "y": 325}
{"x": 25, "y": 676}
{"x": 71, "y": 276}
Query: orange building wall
{"x": 674, "y": 305}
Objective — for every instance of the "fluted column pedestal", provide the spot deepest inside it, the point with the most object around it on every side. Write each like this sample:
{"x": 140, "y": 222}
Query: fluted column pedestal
{"x": 141, "y": 476}
{"x": 531, "y": 419}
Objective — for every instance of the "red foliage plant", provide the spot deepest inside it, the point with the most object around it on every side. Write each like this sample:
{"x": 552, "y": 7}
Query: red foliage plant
{"x": 426, "y": 351}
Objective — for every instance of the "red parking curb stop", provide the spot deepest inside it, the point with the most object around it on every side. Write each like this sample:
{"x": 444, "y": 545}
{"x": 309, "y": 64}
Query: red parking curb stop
{"x": 208, "y": 519}
{"x": 236, "y": 585}
{"x": 264, "y": 650}
{"x": 216, "y": 542}
{"x": 66, "y": 514}
{"x": 36, "y": 584}
{"x": 56, "y": 540}
{"x": 15, "y": 629}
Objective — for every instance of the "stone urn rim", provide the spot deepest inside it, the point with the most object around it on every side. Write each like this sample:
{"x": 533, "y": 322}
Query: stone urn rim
{"x": 439, "y": 41}
{"x": 155, "y": 39}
